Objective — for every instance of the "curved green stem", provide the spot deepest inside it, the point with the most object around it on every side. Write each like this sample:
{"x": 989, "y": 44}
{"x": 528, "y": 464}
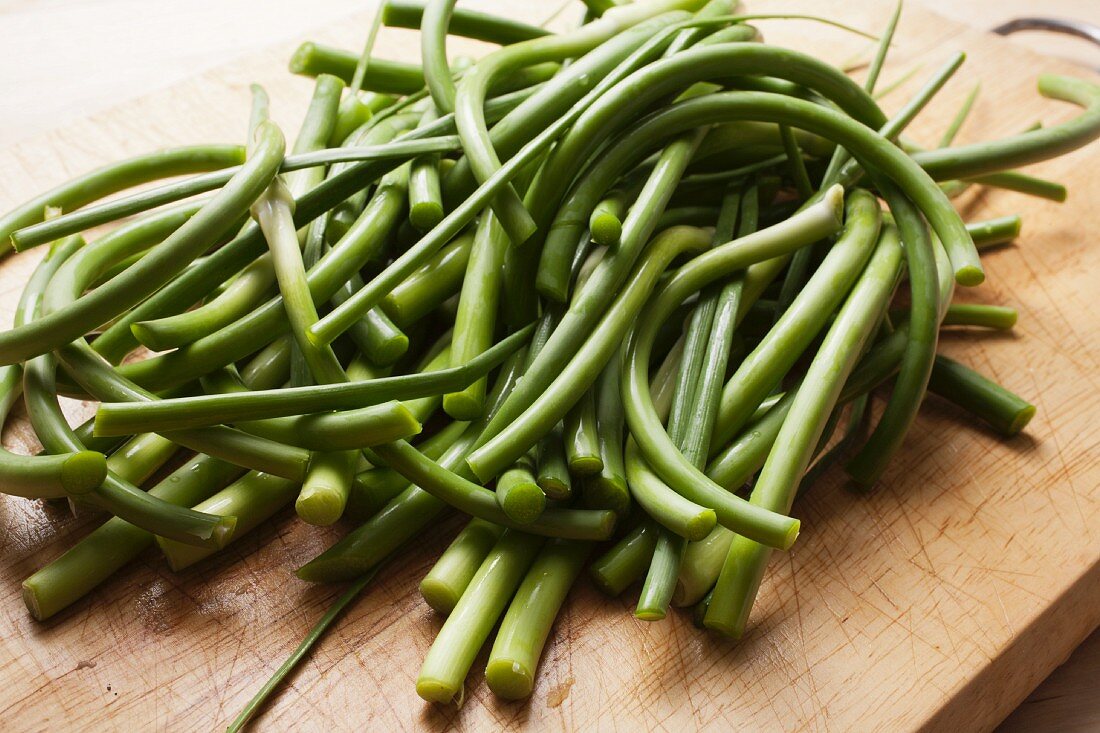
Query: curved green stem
{"x": 120, "y": 498}
{"x": 252, "y": 332}
{"x": 117, "y": 177}
{"x": 670, "y": 509}
{"x": 110, "y": 492}
{"x": 113, "y": 544}
{"x": 812, "y": 223}
{"x": 198, "y": 411}
{"x": 510, "y": 435}
{"x": 968, "y": 161}
{"x": 926, "y": 294}
{"x": 72, "y": 321}
{"x": 433, "y": 53}
{"x": 43, "y": 476}
{"x": 199, "y": 281}
{"x": 229, "y": 444}
{"x": 395, "y": 153}
{"x": 778, "y": 482}
{"x": 763, "y": 369}
{"x": 251, "y": 500}
{"x": 631, "y": 97}
{"x": 341, "y": 318}
{"x": 249, "y": 288}
{"x": 472, "y": 91}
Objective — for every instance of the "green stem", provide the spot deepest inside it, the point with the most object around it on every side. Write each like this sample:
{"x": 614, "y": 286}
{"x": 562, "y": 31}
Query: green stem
{"x": 431, "y": 284}
{"x": 470, "y": 100}
{"x": 992, "y": 232}
{"x": 660, "y": 581}
{"x": 480, "y": 502}
{"x": 229, "y": 444}
{"x": 627, "y": 561}
{"x": 814, "y": 222}
{"x": 117, "y": 177}
{"x": 138, "y": 458}
{"x": 515, "y": 655}
{"x": 204, "y": 410}
{"x": 519, "y": 494}
{"x": 341, "y": 318}
{"x": 374, "y": 488}
{"x": 59, "y": 327}
{"x": 581, "y": 436}
{"x": 106, "y": 549}
{"x": 763, "y": 369}
{"x": 926, "y": 292}
{"x": 959, "y": 119}
{"x": 468, "y": 626}
{"x": 249, "y": 288}
{"x": 43, "y": 476}
{"x": 463, "y": 22}
{"x": 407, "y": 513}
{"x": 779, "y": 479}
{"x": 327, "y": 484}
{"x": 607, "y": 489}
{"x": 388, "y": 77}
{"x": 433, "y": 53}
{"x": 1006, "y": 412}
{"x": 252, "y": 499}
{"x": 985, "y": 316}
{"x": 702, "y": 564}
{"x": 553, "y": 471}
{"x": 260, "y": 698}
{"x": 391, "y": 155}
{"x": 476, "y": 319}
{"x": 451, "y": 574}
{"x": 510, "y": 435}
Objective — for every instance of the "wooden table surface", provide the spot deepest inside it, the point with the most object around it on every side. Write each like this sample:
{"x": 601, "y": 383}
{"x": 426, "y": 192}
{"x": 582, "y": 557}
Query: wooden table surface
{"x": 126, "y": 48}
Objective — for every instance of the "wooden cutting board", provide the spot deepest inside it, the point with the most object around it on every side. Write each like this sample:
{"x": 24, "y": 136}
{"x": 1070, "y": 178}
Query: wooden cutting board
{"x": 938, "y": 601}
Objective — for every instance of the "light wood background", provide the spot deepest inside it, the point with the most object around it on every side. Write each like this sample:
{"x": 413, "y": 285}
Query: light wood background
{"x": 62, "y": 60}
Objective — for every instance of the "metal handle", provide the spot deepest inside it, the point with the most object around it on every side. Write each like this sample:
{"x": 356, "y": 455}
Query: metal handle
{"x": 1078, "y": 28}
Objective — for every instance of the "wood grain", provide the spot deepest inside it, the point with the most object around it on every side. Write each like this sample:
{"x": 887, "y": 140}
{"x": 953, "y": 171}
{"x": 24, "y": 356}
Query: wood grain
{"x": 939, "y": 601}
